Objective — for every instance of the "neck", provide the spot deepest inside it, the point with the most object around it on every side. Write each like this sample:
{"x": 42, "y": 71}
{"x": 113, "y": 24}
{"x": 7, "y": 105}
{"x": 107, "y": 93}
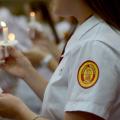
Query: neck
{"x": 83, "y": 18}
{"x": 82, "y": 13}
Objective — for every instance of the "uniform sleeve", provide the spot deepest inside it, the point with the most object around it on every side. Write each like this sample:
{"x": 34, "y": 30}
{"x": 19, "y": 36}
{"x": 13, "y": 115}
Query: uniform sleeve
{"x": 93, "y": 79}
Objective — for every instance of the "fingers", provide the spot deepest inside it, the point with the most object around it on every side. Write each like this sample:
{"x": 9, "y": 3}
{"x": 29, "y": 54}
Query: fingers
{"x": 2, "y": 55}
{"x": 4, "y": 95}
{"x": 14, "y": 52}
{"x": 5, "y": 52}
{"x": 2, "y": 62}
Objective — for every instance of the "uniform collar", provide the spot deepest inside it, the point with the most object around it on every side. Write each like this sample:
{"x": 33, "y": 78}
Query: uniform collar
{"x": 88, "y": 25}
{"x": 82, "y": 30}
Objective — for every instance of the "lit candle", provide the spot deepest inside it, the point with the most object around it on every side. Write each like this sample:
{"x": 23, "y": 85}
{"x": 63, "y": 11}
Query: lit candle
{"x": 5, "y": 36}
{"x": 32, "y": 16}
{"x": 5, "y": 31}
{"x": 11, "y": 36}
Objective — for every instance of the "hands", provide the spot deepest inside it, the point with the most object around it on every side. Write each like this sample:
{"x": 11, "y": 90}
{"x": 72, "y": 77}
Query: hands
{"x": 36, "y": 55}
{"x": 48, "y": 46}
{"x": 12, "y": 107}
{"x": 40, "y": 40}
{"x": 36, "y": 35}
{"x": 16, "y": 63}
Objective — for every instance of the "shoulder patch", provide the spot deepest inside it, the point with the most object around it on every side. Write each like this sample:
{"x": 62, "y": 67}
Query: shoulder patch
{"x": 88, "y": 74}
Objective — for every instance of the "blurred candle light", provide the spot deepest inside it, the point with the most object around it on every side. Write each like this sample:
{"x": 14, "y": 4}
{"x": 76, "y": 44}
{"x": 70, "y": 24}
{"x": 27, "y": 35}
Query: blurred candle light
{"x": 3, "y": 24}
{"x": 6, "y": 41}
{"x": 32, "y": 16}
{"x": 11, "y": 36}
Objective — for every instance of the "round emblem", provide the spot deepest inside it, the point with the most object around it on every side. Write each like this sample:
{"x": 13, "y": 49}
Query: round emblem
{"x": 88, "y": 74}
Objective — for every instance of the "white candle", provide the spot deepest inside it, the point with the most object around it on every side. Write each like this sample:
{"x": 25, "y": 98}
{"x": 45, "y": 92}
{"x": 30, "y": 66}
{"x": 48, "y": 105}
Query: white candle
{"x": 5, "y": 31}
{"x": 5, "y": 34}
{"x": 32, "y": 16}
{"x": 1, "y": 91}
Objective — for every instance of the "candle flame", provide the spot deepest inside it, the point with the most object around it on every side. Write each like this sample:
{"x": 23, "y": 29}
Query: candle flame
{"x": 3, "y": 24}
{"x": 11, "y": 36}
{"x": 32, "y": 14}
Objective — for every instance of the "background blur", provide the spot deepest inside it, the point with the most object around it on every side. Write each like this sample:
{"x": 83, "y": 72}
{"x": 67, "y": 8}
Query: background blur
{"x": 39, "y": 32}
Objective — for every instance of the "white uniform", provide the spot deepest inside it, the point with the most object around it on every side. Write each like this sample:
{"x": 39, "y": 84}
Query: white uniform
{"x": 88, "y": 77}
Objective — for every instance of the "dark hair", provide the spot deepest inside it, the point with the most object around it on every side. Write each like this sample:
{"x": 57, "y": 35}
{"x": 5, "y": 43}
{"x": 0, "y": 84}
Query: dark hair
{"x": 108, "y": 10}
{"x": 41, "y": 6}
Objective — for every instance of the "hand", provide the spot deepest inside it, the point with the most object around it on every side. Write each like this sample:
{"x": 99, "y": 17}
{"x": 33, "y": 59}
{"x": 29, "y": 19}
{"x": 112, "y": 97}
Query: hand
{"x": 49, "y": 46}
{"x": 11, "y": 106}
{"x": 35, "y": 35}
{"x": 16, "y": 64}
{"x": 36, "y": 55}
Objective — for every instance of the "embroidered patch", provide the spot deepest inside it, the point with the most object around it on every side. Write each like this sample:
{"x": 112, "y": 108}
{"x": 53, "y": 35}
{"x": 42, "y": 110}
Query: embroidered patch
{"x": 88, "y": 74}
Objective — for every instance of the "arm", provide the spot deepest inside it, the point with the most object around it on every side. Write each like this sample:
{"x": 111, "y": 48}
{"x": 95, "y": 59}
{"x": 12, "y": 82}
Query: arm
{"x": 81, "y": 116}
{"x": 68, "y": 116}
{"x": 36, "y": 82}
{"x": 15, "y": 109}
{"x": 27, "y": 115}
{"x": 53, "y": 64}
{"x": 18, "y": 65}
{"x": 36, "y": 58}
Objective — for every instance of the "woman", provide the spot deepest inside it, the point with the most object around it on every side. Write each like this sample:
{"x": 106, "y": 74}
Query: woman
{"x": 85, "y": 85}
{"x": 44, "y": 16}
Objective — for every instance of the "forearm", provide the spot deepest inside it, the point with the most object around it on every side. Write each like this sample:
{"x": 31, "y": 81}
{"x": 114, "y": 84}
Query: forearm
{"x": 24, "y": 113}
{"x": 53, "y": 64}
{"x": 57, "y": 54}
{"x": 33, "y": 58}
{"x": 36, "y": 82}
{"x": 29, "y": 115}
{"x": 36, "y": 60}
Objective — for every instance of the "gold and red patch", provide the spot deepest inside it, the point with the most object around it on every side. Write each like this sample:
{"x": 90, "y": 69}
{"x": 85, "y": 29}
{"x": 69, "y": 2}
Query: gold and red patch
{"x": 88, "y": 74}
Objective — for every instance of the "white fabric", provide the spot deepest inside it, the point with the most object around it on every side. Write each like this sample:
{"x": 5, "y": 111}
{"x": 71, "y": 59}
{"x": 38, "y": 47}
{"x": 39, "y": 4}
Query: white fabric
{"x": 63, "y": 28}
{"x": 94, "y": 40}
{"x": 47, "y": 59}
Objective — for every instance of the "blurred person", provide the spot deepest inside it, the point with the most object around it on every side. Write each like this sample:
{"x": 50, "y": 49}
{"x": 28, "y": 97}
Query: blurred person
{"x": 43, "y": 16}
{"x": 62, "y": 29}
{"x": 80, "y": 88}
{"x": 45, "y": 19}
{"x": 10, "y": 84}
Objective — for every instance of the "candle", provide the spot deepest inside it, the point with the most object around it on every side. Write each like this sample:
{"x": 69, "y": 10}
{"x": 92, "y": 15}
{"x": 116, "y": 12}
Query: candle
{"x": 5, "y": 34}
{"x": 32, "y": 16}
{"x": 8, "y": 38}
{"x": 1, "y": 91}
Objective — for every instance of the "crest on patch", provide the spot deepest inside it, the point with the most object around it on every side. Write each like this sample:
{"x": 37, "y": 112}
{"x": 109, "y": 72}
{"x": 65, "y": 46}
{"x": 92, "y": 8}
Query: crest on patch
{"x": 88, "y": 74}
